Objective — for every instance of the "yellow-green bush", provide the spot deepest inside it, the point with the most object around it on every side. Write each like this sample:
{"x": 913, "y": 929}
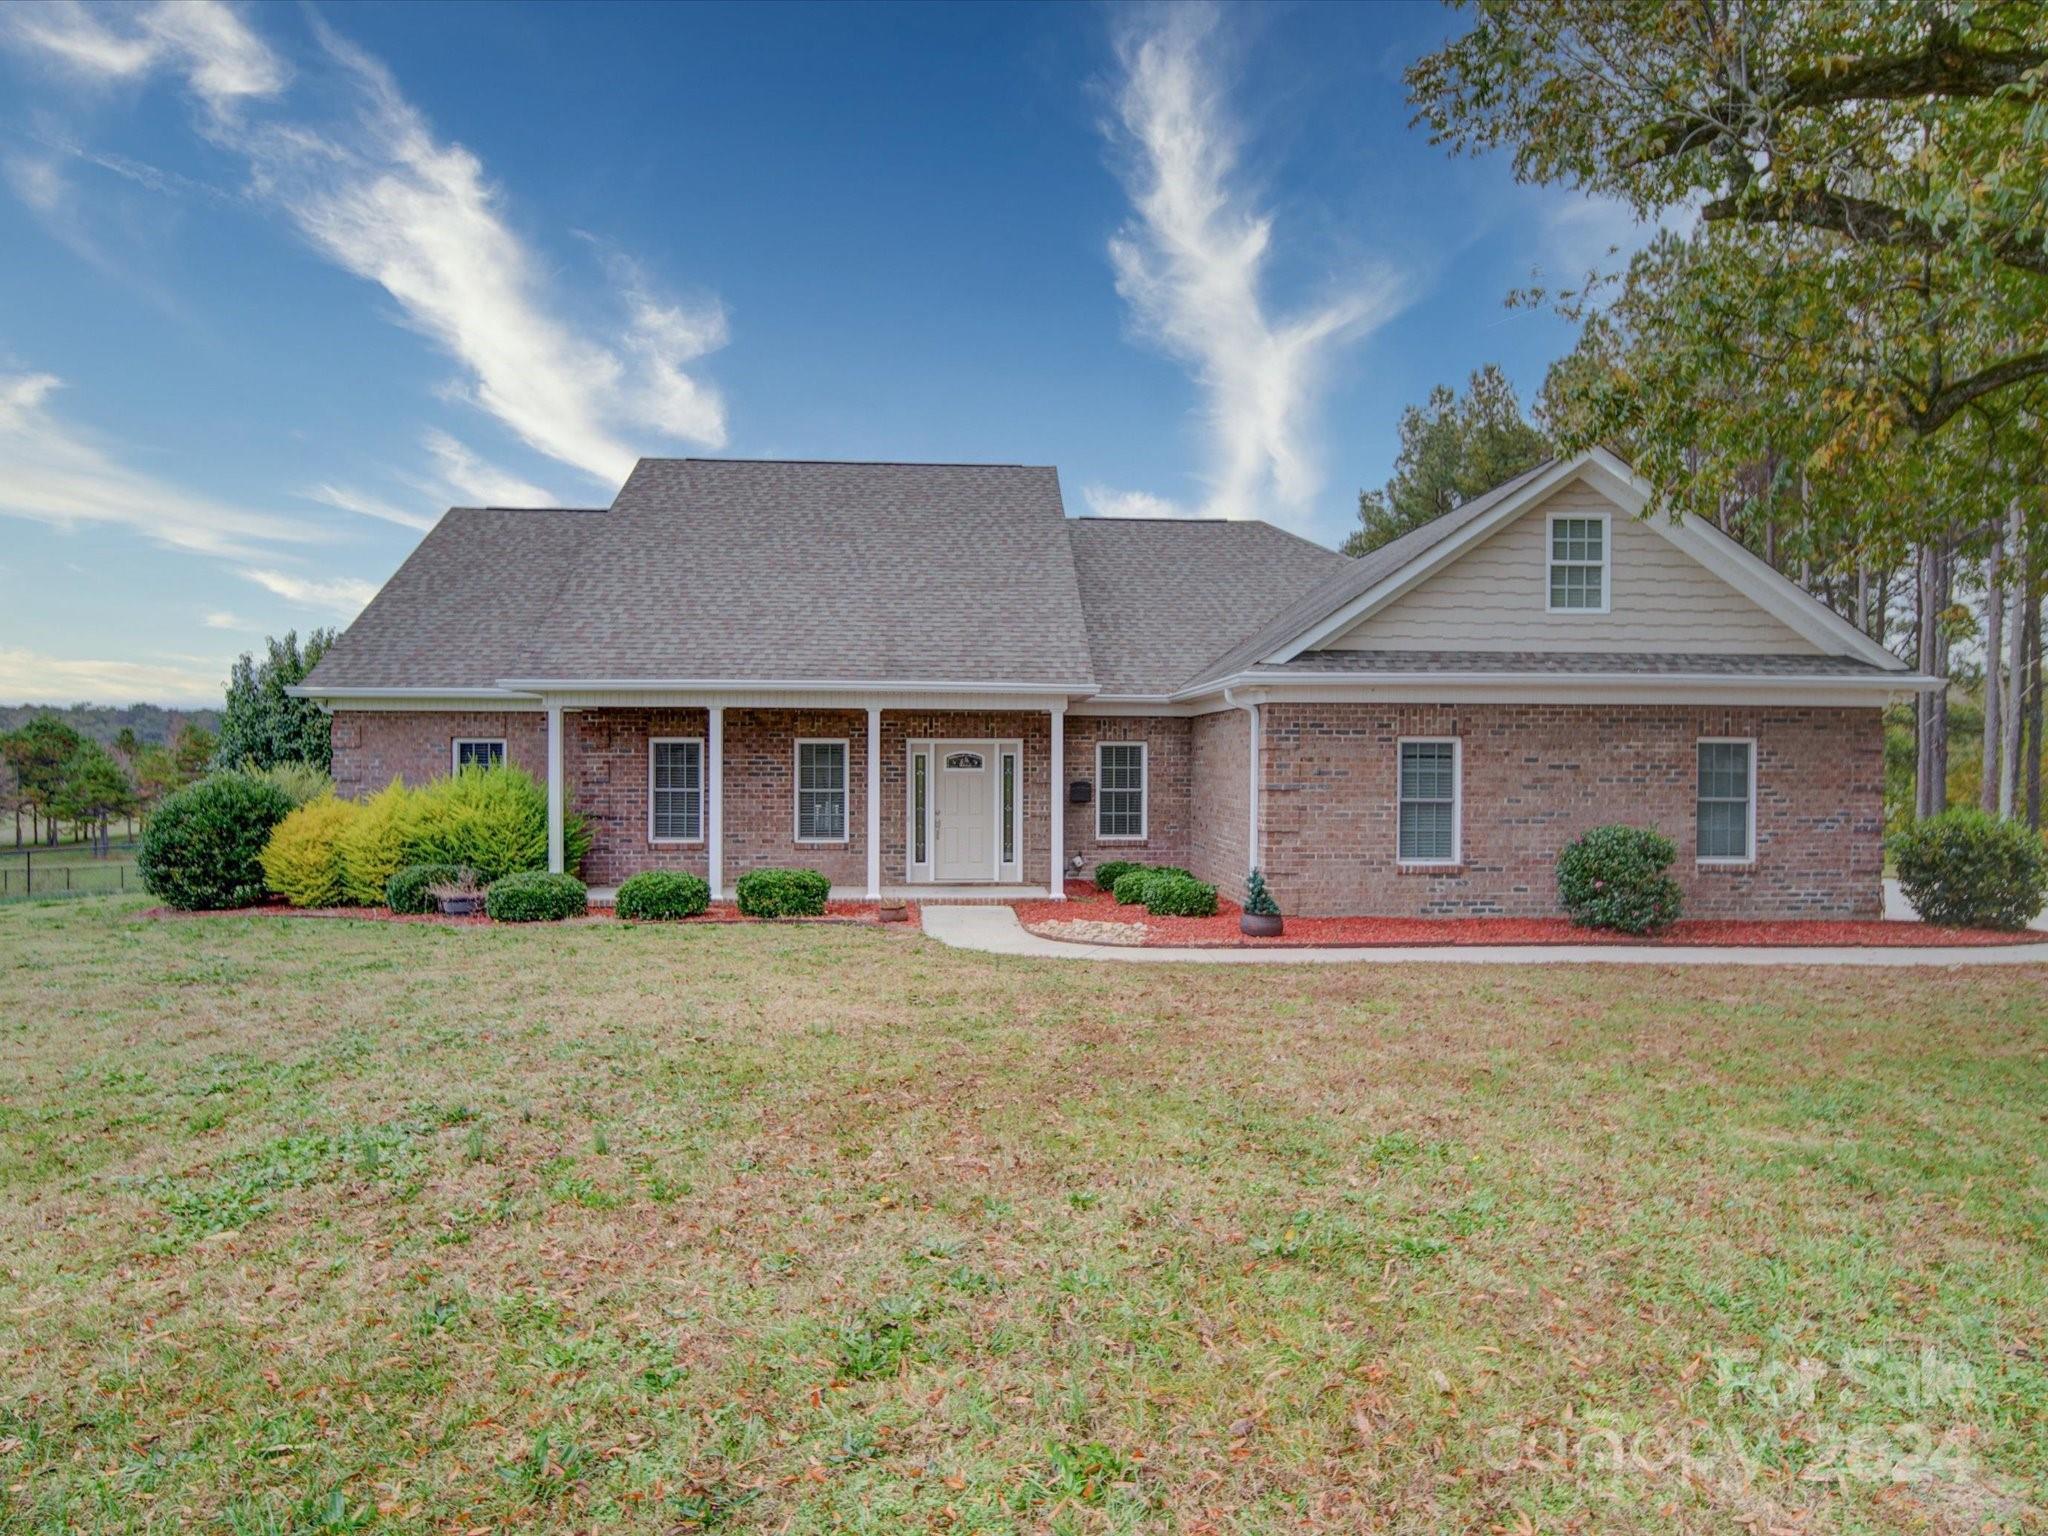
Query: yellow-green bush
{"x": 378, "y": 842}
{"x": 302, "y": 860}
{"x": 491, "y": 820}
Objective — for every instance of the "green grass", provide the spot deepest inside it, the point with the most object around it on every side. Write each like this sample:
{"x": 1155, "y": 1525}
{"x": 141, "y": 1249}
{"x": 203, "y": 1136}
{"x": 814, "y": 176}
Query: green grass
{"x": 314, "y": 1225}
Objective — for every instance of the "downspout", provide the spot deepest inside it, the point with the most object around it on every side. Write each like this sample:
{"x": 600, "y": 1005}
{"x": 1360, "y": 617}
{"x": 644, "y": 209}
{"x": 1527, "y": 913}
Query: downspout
{"x": 1253, "y": 731}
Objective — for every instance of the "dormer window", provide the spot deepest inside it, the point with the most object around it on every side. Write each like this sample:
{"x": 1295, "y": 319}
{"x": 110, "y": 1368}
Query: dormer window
{"x": 1578, "y": 564}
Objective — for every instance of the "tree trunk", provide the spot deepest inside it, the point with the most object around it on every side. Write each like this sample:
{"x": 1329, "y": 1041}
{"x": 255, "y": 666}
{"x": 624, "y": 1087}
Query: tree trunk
{"x": 2015, "y": 668}
{"x": 1994, "y": 681}
{"x": 2034, "y": 699}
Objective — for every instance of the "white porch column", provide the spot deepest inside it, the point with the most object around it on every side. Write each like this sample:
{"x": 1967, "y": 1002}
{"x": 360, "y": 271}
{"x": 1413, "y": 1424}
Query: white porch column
{"x": 555, "y": 788}
{"x": 874, "y": 803}
{"x": 1057, "y": 780}
{"x": 714, "y": 801}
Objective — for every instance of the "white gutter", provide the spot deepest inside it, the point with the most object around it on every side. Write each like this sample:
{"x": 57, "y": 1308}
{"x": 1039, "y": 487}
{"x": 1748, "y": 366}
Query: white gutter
{"x": 765, "y": 685}
{"x": 1253, "y": 724}
{"x": 1339, "y": 682}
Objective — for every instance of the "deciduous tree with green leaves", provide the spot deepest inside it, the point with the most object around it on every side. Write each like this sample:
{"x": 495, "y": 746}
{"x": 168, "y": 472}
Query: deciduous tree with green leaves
{"x": 262, "y": 725}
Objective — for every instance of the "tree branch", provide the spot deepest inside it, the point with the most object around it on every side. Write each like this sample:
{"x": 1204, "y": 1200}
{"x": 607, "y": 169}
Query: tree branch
{"x": 1952, "y": 398}
{"x": 1943, "y": 67}
{"x": 1872, "y": 223}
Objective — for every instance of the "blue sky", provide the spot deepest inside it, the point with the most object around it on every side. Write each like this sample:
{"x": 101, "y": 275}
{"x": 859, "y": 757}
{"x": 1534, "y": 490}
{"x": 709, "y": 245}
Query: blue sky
{"x": 281, "y": 284}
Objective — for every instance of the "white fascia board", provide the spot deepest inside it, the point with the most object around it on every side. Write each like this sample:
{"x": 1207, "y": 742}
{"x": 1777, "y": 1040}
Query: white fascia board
{"x": 416, "y": 698}
{"x": 1435, "y": 558}
{"x": 793, "y": 685}
{"x": 1825, "y": 691}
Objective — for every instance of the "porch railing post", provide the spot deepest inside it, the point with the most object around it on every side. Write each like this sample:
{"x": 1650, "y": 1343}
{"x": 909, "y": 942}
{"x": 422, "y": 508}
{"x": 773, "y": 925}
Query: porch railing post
{"x": 555, "y": 857}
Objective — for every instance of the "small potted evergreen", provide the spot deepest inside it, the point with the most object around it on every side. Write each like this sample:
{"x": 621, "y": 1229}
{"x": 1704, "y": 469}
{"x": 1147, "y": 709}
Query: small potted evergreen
{"x": 460, "y": 897}
{"x": 1260, "y": 918}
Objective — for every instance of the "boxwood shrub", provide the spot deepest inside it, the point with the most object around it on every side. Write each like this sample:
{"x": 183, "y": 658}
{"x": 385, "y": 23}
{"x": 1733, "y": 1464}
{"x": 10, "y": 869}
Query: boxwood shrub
{"x": 203, "y": 847}
{"x": 1964, "y": 869}
{"x": 411, "y": 888}
{"x": 1614, "y": 877}
{"x": 1109, "y": 871}
{"x": 662, "y": 893}
{"x": 1130, "y": 887}
{"x": 782, "y": 893}
{"x": 1172, "y": 894}
{"x": 536, "y": 897}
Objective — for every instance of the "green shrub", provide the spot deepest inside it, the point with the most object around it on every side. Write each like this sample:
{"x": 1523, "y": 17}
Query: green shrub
{"x": 1964, "y": 869}
{"x": 302, "y": 860}
{"x": 302, "y": 783}
{"x": 662, "y": 893}
{"x": 1614, "y": 877}
{"x": 782, "y": 893}
{"x": 1109, "y": 871}
{"x": 535, "y": 896}
{"x": 1258, "y": 901}
{"x": 410, "y": 889}
{"x": 1177, "y": 895}
{"x": 1130, "y": 887}
{"x": 373, "y": 846}
{"x": 203, "y": 847}
{"x": 492, "y": 820}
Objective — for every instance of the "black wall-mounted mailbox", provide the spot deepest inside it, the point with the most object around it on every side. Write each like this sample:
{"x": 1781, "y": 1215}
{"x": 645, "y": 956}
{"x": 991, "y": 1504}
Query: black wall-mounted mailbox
{"x": 1080, "y": 792}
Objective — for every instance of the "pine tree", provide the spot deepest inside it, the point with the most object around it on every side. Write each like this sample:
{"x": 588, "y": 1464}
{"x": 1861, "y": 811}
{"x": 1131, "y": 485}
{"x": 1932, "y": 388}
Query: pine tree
{"x": 1258, "y": 901}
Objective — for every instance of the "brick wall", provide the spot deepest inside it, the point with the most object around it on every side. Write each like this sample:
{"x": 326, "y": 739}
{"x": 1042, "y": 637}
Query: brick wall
{"x": 605, "y": 760}
{"x": 1218, "y": 816}
{"x": 1168, "y": 777}
{"x": 1032, "y": 728}
{"x": 1535, "y": 776}
{"x": 372, "y": 747}
{"x": 760, "y": 792}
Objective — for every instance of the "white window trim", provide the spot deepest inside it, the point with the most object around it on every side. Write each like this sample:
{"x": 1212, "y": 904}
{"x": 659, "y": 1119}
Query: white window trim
{"x": 1457, "y": 746}
{"x": 1144, "y": 794}
{"x": 796, "y": 790}
{"x": 703, "y": 791}
{"x": 455, "y": 749}
{"x": 1725, "y": 861}
{"x": 1551, "y": 562}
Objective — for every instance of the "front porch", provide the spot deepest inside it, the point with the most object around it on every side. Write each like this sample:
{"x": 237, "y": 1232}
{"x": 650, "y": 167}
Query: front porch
{"x": 909, "y": 798}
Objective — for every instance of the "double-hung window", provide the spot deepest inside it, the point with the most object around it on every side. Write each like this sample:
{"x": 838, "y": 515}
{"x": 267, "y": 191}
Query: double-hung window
{"x": 1120, "y": 791}
{"x": 1578, "y": 564}
{"x": 821, "y": 792}
{"x": 1429, "y": 802}
{"x": 1725, "y": 813}
{"x": 675, "y": 790}
{"x": 471, "y": 752}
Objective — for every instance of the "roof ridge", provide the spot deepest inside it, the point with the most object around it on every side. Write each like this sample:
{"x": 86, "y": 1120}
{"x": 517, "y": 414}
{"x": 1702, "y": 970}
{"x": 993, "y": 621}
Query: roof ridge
{"x": 695, "y": 458}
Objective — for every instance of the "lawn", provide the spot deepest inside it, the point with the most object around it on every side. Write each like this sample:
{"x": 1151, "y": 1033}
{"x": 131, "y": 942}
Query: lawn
{"x": 323, "y": 1225}
{"x": 67, "y": 869}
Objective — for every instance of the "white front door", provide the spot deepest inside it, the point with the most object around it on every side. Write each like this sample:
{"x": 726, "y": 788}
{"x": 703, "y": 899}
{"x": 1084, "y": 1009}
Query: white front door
{"x": 965, "y": 811}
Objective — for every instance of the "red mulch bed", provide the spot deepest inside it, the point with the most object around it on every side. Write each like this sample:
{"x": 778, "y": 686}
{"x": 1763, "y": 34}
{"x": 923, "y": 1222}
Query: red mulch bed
{"x": 843, "y": 913}
{"x": 1085, "y": 902}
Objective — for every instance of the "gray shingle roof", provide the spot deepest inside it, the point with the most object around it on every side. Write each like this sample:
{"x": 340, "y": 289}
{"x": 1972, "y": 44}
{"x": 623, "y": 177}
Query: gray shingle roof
{"x": 1163, "y": 596}
{"x": 461, "y": 611}
{"x": 1355, "y": 663}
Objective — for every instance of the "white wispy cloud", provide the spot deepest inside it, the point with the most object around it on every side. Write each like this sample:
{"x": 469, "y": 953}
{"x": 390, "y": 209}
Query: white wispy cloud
{"x": 344, "y": 595}
{"x": 55, "y": 473}
{"x": 464, "y": 477}
{"x": 1105, "y": 501}
{"x": 1192, "y": 262}
{"x": 363, "y": 504}
{"x": 381, "y": 195}
{"x": 221, "y": 618}
{"x": 34, "y": 677}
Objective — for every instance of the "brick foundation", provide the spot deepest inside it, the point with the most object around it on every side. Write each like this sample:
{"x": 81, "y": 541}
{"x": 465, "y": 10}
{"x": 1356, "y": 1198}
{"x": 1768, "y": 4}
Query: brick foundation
{"x": 1535, "y": 776}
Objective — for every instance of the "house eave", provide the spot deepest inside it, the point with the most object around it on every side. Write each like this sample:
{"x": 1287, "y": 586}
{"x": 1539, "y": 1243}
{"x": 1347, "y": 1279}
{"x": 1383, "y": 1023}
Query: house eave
{"x": 1818, "y": 690}
{"x": 547, "y": 686}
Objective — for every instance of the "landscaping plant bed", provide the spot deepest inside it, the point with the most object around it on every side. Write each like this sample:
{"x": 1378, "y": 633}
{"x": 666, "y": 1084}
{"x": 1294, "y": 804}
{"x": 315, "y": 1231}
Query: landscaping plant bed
{"x": 836, "y": 912}
{"x": 1087, "y": 905}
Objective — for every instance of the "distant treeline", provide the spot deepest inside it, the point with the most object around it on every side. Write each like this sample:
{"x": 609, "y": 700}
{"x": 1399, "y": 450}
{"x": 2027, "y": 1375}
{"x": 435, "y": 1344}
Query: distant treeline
{"x": 153, "y": 725}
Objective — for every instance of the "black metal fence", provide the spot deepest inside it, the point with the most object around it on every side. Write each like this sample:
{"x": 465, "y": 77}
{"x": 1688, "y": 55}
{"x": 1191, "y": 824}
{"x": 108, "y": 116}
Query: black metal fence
{"x": 27, "y": 877}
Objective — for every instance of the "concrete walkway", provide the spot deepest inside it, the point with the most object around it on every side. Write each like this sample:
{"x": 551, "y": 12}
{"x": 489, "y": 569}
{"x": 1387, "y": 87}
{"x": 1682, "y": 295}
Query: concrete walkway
{"x": 996, "y": 931}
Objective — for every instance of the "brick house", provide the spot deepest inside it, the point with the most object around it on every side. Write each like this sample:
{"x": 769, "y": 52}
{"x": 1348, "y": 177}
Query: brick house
{"x": 927, "y": 677}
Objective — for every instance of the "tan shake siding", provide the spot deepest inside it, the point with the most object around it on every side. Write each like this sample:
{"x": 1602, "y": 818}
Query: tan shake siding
{"x": 1168, "y": 779}
{"x": 373, "y": 747}
{"x": 1535, "y": 776}
{"x": 1495, "y": 597}
{"x": 1219, "y": 817}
